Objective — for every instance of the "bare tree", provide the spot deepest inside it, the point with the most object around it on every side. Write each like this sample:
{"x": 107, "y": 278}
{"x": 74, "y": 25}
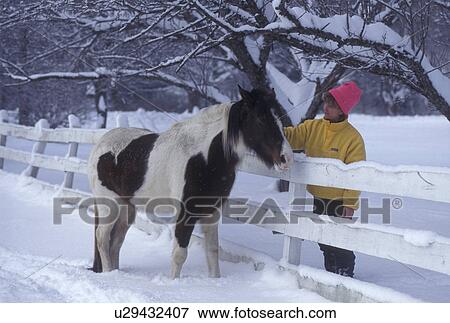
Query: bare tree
{"x": 168, "y": 40}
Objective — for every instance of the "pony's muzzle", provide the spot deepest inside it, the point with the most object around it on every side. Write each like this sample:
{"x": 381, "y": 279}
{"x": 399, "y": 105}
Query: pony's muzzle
{"x": 284, "y": 162}
{"x": 283, "y": 165}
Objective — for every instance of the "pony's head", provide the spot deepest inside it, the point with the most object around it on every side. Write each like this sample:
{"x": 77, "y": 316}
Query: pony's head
{"x": 253, "y": 124}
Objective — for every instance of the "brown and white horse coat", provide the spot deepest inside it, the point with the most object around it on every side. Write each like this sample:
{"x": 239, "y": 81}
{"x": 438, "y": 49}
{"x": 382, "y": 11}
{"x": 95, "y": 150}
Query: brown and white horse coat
{"x": 196, "y": 158}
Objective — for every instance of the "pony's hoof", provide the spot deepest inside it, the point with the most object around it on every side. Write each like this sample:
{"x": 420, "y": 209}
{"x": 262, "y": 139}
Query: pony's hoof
{"x": 175, "y": 275}
{"x": 95, "y": 270}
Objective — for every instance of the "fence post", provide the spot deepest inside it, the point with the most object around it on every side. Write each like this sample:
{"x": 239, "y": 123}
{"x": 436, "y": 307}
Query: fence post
{"x": 122, "y": 121}
{"x": 292, "y": 246}
{"x": 3, "y": 118}
{"x": 38, "y": 148}
{"x": 74, "y": 122}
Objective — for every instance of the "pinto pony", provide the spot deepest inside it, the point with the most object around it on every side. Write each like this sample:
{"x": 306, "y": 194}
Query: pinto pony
{"x": 195, "y": 159}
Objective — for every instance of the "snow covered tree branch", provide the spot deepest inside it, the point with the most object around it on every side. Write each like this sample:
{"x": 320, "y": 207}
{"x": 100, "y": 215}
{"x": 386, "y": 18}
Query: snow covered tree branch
{"x": 173, "y": 41}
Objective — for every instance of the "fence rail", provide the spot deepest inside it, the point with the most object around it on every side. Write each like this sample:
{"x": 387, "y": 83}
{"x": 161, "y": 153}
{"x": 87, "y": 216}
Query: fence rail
{"x": 58, "y": 135}
{"x": 63, "y": 164}
{"x": 429, "y": 183}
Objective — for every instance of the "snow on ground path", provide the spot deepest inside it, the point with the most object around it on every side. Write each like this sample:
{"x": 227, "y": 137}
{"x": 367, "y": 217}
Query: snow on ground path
{"x": 44, "y": 262}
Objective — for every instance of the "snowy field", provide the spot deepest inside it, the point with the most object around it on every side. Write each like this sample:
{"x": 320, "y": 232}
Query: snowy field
{"x": 40, "y": 261}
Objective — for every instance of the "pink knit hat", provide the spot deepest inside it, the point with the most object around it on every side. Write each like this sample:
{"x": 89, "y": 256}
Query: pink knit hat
{"x": 347, "y": 96}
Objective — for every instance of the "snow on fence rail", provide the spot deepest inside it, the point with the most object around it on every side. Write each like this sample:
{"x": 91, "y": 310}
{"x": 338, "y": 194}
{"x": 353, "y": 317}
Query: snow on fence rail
{"x": 39, "y": 133}
{"x": 429, "y": 183}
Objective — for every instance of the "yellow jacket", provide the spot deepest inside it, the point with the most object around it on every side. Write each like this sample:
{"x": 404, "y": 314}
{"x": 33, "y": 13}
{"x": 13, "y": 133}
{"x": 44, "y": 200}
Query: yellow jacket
{"x": 321, "y": 138}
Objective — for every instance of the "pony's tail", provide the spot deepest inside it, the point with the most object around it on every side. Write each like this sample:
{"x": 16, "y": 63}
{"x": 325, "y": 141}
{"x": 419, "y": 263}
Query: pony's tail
{"x": 97, "y": 266}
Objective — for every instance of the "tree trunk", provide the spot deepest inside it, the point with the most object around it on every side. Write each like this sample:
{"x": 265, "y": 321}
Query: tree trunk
{"x": 321, "y": 88}
{"x": 23, "y": 98}
{"x": 194, "y": 100}
{"x": 101, "y": 94}
{"x": 256, "y": 74}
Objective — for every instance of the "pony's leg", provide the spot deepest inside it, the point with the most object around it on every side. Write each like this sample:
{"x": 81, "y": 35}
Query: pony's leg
{"x": 127, "y": 215}
{"x": 183, "y": 232}
{"x": 179, "y": 255}
{"x": 210, "y": 228}
{"x": 103, "y": 235}
{"x": 97, "y": 265}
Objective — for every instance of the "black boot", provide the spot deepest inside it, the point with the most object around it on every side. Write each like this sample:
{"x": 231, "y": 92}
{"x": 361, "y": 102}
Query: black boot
{"x": 329, "y": 257}
{"x": 345, "y": 271}
{"x": 345, "y": 262}
{"x": 329, "y": 260}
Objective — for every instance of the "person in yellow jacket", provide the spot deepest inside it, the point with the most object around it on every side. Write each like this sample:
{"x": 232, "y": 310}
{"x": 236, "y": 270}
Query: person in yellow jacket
{"x": 333, "y": 137}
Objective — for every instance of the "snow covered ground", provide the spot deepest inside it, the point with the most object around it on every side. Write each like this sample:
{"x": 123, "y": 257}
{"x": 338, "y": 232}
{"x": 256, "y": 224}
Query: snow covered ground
{"x": 40, "y": 261}
{"x": 43, "y": 262}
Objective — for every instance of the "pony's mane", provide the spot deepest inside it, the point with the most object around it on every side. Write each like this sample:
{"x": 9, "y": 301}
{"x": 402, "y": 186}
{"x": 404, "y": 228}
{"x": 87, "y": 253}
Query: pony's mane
{"x": 230, "y": 136}
{"x": 228, "y": 113}
{"x": 220, "y": 114}
{"x": 210, "y": 114}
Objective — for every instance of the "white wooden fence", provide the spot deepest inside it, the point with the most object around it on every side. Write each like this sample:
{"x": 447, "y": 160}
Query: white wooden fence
{"x": 418, "y": 182}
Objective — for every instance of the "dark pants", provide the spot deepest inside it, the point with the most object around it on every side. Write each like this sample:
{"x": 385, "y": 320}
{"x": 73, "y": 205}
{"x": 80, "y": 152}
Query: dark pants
{"x": 336, "y": 260}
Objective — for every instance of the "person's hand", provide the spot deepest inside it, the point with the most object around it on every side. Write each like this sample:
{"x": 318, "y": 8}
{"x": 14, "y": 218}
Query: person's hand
{"x": 348, "y": 212}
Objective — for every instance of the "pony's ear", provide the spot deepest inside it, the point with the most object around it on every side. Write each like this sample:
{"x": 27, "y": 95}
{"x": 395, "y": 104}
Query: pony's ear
{"x": 246, "y": 96}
